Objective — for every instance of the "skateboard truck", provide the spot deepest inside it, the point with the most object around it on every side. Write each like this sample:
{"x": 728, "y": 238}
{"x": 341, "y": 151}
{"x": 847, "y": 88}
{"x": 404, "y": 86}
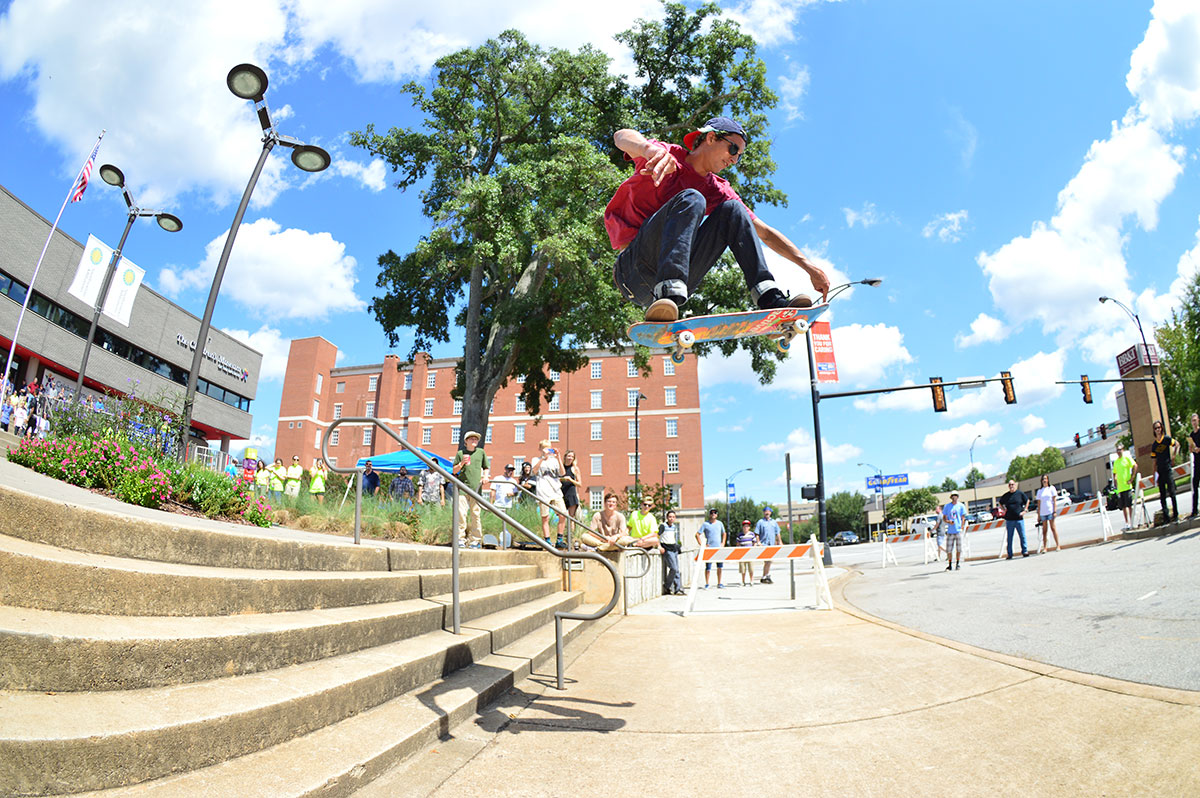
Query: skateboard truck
{"x": 684, "y": 340}
{"x": 784, "y": 342}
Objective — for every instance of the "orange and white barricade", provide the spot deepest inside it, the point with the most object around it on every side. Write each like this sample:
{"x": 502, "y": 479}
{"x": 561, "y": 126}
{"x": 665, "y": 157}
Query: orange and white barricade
{"x": 931, "y": 549}
{"x": 739, "y": 554}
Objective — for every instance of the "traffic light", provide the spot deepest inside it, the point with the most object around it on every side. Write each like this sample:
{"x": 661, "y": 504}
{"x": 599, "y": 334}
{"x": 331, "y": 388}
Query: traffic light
{"x": 1103, "y": 432}
{"x": 1076, "y": 440}
{"x": 1087, "y": 389}
{"x": 1010, "y": 393}
{"x": 939, "y": 394}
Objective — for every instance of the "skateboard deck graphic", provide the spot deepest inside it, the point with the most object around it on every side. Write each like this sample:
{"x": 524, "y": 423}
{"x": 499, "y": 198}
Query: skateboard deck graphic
{"x": 782, "y": 324}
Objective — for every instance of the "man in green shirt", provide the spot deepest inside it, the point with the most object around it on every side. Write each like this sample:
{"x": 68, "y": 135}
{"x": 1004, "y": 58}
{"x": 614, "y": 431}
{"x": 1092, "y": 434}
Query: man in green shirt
{"x": 1125, "y": 477}
{"x": 470, "y": 466}
{"x": 643, "y": 526}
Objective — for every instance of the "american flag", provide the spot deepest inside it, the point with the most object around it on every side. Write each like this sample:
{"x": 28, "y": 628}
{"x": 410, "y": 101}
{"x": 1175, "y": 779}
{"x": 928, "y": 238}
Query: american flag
{"x": 82, "y": 183}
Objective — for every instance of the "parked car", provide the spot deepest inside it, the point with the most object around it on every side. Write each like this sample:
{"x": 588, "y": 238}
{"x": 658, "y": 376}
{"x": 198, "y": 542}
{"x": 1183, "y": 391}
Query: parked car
{"x": 843, "y": 539}
{"x": 984, "y": 517}
{"x": 925, "y": 523}
{"x": 1064, "y": 498}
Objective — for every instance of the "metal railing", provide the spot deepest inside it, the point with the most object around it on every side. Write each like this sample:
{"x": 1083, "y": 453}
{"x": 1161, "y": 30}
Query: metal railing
{"x": 459, "y": 485}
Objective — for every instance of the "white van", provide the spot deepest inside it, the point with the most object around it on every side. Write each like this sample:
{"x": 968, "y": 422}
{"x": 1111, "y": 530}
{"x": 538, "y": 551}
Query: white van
{"x": 925, "y": 523}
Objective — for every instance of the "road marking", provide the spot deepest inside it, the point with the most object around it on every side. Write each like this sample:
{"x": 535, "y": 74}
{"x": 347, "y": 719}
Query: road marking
{"x": 1148, "y": 595}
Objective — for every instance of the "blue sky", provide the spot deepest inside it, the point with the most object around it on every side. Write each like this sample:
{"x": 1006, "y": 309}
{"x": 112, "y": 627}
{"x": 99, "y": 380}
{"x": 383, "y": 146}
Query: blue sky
{"x": 1000, "y": 165}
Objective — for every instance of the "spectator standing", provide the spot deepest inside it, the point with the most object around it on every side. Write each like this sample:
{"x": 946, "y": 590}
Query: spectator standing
{"x": 471, "y": 467}
{"x": 1125, "y": 478}
{"x": 370, "y": 479}
{"x": 954, "y": 518}
{"x": 1047, "y": 498}
{"x": 746, "y": 539}
{"x": 671, "y": 543}
{"x": 570, "y": 483}
{"x": 548, "y": 472}
{"x": 276, "y": 476}
{"x": 1194, "y": 448}
{"x": 6, "y": 414}
{"x": 1165, "y": 448}
{"x": 316, "y": 481}
{"x": 504, "y": 488}
{"x": 402, "y": 488}
{"x": 527, "y": 482}
{"x": 1014, "y": 503}
{"x": 295, "y": 474}
{"x": 712, "y": 535}
{"x": 609, "y": 530}
{"x": 260, "y": 478}
{"x": 20, "y": 417}
{"x": 767, "y": 532}
{"x": 431, "y": 487}
{"x": 644, "y": 526}
{"x": 231, "y": 470}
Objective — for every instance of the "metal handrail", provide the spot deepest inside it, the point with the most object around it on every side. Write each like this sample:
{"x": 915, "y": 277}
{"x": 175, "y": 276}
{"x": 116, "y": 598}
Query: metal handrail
{"x": 455, "y": 482}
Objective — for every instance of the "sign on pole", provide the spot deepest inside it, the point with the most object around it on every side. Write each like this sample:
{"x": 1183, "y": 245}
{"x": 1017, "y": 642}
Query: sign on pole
{"x": 125, "y": 284}
{"x": 822, "y": 339}
{"x": 90, "y": 274}
{"x": 731, "y": 496}
{"x": 887, "y": 481}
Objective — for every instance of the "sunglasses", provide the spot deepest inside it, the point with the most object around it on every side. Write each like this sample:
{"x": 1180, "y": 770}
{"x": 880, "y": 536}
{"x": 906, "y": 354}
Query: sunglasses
{"x": 734, "y": 149}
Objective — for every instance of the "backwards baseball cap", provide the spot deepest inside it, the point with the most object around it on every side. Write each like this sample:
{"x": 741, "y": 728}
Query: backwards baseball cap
{"x": 718, "y": 124}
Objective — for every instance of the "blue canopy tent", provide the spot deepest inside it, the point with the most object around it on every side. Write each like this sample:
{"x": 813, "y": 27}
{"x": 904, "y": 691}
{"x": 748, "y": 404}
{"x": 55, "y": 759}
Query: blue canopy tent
{"x": 392, "y": 462}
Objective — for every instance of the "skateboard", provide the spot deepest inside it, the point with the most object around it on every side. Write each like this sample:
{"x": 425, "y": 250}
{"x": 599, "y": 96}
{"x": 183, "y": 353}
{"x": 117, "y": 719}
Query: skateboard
{"x": 782, "y": 324}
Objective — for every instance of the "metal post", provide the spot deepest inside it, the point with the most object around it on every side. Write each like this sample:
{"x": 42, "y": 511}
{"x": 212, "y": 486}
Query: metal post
{"x": 454, "y": 547}
{"x": 108, "y": 275}
{"x": 358, "y": 508}
{"x": 826, "y": 558}
{"x": 787, "y": 460}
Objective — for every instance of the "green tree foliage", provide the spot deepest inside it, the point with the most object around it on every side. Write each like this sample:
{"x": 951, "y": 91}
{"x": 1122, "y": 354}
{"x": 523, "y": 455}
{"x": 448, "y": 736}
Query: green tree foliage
{"x": 744, "y": 507}
{"x": 1029, "y": 467}
{"x": 515, "y": 162}
{"x": 908, "y": 503}
{"x": 844, "y": 510}
{"x": 1179, "y": 359}
{"x": 948, "y": 484}
{"x": 973, "y": 476}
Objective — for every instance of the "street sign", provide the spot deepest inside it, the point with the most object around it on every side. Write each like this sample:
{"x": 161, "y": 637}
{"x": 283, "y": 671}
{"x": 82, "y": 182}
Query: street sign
{"x": 888, "y": 481}
{"x": 731, "y": 496}
{"x": 1136, "y": 356}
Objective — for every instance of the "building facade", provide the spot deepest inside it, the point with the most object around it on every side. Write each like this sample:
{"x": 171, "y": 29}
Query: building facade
{"x": 592, "y": 413}
{"x": 151, "y": 356}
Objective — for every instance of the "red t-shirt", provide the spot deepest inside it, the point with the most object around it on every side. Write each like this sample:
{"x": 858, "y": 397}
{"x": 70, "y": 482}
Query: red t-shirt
{"x": 638, "y": 198}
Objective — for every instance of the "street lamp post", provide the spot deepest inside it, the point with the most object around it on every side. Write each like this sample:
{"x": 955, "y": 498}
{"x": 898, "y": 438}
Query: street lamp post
{"x": 822, "y": 522}
{"x": 975, "y": 483}
{"x": 250, "y": 83}
{"x": 879, "y": 487}
{"x": 169, "y": 222}
{"x": 637, "y": 450}
{"x": 1145, "y": 348}
{"x": 729, "y": 479}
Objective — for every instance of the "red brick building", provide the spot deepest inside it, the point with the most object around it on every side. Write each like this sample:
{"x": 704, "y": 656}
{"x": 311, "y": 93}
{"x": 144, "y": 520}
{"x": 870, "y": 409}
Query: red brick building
{"x": 592, "y": 413}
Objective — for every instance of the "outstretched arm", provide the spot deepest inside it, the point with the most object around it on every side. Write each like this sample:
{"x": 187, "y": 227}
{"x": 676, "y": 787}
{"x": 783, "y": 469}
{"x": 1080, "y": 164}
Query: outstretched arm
{"x": 659, "y": 162}
{"x": 780, "y": 244}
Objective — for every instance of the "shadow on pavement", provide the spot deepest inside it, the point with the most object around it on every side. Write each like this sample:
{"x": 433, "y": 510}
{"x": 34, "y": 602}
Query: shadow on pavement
{"x": 520, "y": 711}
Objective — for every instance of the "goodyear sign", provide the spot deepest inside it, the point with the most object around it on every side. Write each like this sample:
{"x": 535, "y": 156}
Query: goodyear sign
{"x": 887, "y": 481}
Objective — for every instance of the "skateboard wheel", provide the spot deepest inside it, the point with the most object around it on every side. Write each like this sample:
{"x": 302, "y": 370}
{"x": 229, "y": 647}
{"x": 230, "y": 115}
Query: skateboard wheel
{"x": 687, "y": 338}
{"x": 677, "y": 358}
{"x": 801, "y": 325}
{"x": 783, "y": 344}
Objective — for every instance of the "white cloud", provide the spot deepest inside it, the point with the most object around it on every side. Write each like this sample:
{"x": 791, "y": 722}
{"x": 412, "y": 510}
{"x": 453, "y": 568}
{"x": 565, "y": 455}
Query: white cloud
{"x": 965, "y": 135}
{"x": 867, "y": 217}
{"x": 1164, "y": 71}
{"x": 900, "y": 400}
{"x": 1034, "y": 446}
{"x": 1033, "y": 381}
{"x": 948, "y": 227}
{"x": 278, "y": 273}
{"x": 791, "y": 92}
{"x": 866, "y": 352}
{"x": 372, "y": 175}
{"x": 1031, "y": 423}
{"x": 263, "y": 442}
{"x": 770, "y": 22}
{"x": 984, "y": 329}
{"x": 274, "y": 348}
{"x": 959, "y": 439}
{"x": 799, "y": 443}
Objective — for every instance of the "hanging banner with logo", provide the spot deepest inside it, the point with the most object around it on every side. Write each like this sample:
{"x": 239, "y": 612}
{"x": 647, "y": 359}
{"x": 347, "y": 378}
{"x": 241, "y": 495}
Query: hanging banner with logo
{"x": 822, "y": 338}
{"x": 90, "y": 274}
{"x": 126, "y": 282}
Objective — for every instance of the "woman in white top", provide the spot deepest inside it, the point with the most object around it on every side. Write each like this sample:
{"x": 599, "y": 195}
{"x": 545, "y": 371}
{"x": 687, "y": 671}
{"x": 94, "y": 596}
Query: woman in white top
{"x": 1047, "y": 498}
{"x": 548, "y": 471}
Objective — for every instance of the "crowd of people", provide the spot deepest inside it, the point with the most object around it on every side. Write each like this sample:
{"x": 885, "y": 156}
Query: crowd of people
{"x": 25, "y": 408}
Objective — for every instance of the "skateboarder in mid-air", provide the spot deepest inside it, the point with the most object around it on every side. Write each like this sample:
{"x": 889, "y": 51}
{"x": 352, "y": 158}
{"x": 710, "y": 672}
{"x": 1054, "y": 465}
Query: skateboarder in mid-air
{"x": 672, "y": 219}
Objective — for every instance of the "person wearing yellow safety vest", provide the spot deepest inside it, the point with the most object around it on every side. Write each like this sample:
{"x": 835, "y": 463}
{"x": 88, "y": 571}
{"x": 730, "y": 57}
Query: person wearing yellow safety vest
{"x": 316, "y": 482}
{"x": 277, "y": 475}
{"x": 295, "y": 473}
{"x": 260, "y": 478}
{"x": 643, "y": 526}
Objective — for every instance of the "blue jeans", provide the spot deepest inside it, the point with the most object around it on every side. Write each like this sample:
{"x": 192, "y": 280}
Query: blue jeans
{"x": 678, "y": 245}
{"x": 1019, "y": 527}
{"x": 672, "y": 580}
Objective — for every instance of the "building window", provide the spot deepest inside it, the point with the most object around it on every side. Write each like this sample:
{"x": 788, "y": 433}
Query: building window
{"x": 299, "y": 424}
{"x": 521, "y": 379}
{"x": 677, "y": 495}
{"x": 492, "y": 406}
{"x": 672, "y": 428}
{"x": 337, "y": 411}
{"x": 670, "y": 397}
{"x": 317, "y": 441}
{"x": 455, "y": 434}
{"x": 518, "y": 461}
{"x": 373, "y": 384}
{"x": 596, "y": 364}
{"x": 520, "y": 405}
{"x": 518, "y": 433}
{"x": 552, "y": 431}
{"x": 596, "y": 430}
{"x": 370, "y": 410}
{"x": 554, "y": 403}
{"x": 668, "y": 367}
{"x": 596, "y": 498}
{"x": 554, "y": 375}
{"x": 429, "y": 407}
{"x": 672, "y": 462}
{"x": 291, "y": 425}
{"x": 597, "y": 465}
{"x": 341, "y": 387}
{"x": 426, "y": 435}
{"x": 431, "y": 379}
{"x": 320, "y": 382}
{"x": 487, "y": 436}
{"x": 405, "y": 406}
{"x": 633, "y": 429}
{"x": 368, "y": 433}
{"x": 631, "y": 397}
{"x": 458, "y": 407}
{"x": 408, "y": 380}
{"x": 633, "y": 464}
{"x": 404, "y": 433}
{"x": 316, "y": 409}
{"x": 333, "y": 461}
{"x": 596, "y": 399}
{"x": 334, "y": 437}
{"x": 630, "y": 369}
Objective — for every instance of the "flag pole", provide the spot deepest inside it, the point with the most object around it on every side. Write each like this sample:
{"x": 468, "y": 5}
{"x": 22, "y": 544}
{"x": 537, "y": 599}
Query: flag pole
{"x": 12, "y": 349}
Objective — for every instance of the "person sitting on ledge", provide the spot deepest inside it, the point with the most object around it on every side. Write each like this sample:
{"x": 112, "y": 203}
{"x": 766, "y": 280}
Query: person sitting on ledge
{"x": 609, "y": 531}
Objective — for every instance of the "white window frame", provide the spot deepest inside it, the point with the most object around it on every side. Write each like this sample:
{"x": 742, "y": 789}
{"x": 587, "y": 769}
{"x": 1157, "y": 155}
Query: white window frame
{"x": 669, "y": 397}
{"x": 596, "y": 499}
{"x": 337, "y": 410}
{"x": 597, "y": 399}
{"x": 320, "y": 382}
{"x": 520, "y": 405}
{"x": 597, "y": 430}
{"x": 668, "y": 367}
{"x": 316, "y": 408}
{"x": 370, "y": 410}
{"x": 555, "y": 375}
{"x": 340, "y": 387}
{"x": 431, "y": 379}
{"x": 408, "y": 380}
{"x": 487, "y": 436}
{"x": 672, "y": 428}
{"x": 597, "y": 465}
{"x": 458, "y": 407}
{"x": 455, "y": 434}
{"x": 635, "y": 464}
{"x": 597, "y": 369}
{"x": 368, "y": 435}
{"x": 373, "y": 383}
{"x": 405, "y": 407}
{"x": 518, "y": 461}
{"x": 554, "y": 404}
{"x": 631, "y": 369}
{"x": 317, "y": 442}
{"x": 518, "y": 433}
{"x": 633, "y": 428}
{"x": 429, "y": 407}
{"x": 552, "y": 431}
{"x": 631, "y": 397}
{"x": 426, "y": 436}
{"x": 672, "y": 462}
{"x": 334, "y": 437}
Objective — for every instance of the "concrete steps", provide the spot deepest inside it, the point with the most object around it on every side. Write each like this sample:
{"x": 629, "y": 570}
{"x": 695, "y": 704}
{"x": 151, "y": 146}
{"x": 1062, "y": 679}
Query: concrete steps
{"x": 155, "y": 657}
